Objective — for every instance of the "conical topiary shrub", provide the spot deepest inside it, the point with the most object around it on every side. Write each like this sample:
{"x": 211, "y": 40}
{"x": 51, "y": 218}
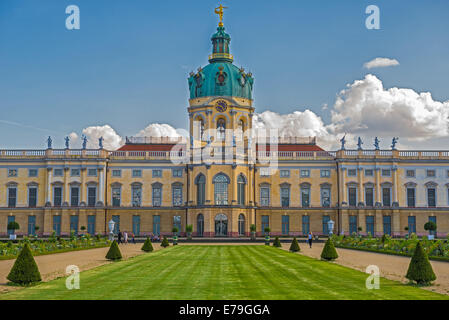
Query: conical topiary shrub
{"x": 420, "y": 270}
{"x": 165, "y": 242}
{"x": 294, "y": 247}
{"x": 114, "y": 252}
{"x": 329, "y": 252}
{"x": 25, "y": 270}
{"x": 147, "y": 246}
{"x": 277, "y": 242}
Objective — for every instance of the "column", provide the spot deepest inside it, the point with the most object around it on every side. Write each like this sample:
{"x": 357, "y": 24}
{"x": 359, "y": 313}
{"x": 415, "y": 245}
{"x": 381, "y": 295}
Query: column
{"x": 343, "y": 200}
{"x": 360, "y": 191}
{"x": 378, "y": 228}
{"x": 66, "y": 190}
{"x": 48, "y": 195}
{"x": 83, "y": 192}
{"x": 234, "y": 185}
{"x": 395, "y": 187}
{"x": 377, "y": 183}
{"x": 396, "y": 223}
{"x": 101, "y": 187}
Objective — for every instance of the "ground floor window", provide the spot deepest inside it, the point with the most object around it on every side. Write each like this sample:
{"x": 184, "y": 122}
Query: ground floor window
{"x": 265, "y": 223}
{"x": 74, "y": 224}
{"x": 370, "y": 225}
{"x": 305, "y": 225}
{"x": 325, "y": 224}
{"x": 241, "y": 225}
{"x": 116, "y": 219}
{"x": 177, "y": 223}
{"x": 285, "y": 225}
{"x": 434, "y": 220}
{"x": 31, "y": 225}
{"x": 221, "y": 225}
{"x": 156, "y": 225}
{"x": 57, "y": 225}
{"x": 200, "y": 225}
{"x": 352, "y": 224}
{"x": 411, "y": 224}
{"x": 10, "y": 219}
{"x": 91, "y": 224}
{"x": 387, "y": 224}
{"x": 136, "y": 225}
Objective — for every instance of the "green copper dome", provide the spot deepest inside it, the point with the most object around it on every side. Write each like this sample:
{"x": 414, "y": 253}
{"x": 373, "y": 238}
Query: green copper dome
{"x": 220, "y": 77}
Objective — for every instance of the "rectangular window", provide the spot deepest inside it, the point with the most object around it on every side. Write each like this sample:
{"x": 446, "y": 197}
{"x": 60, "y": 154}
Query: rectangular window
{"x": 117, "y": 173}
{"x": 352, "y": 196}
{"x": 157, "y": 173}
{"x": 12, "y": 197}
{"x": 116, "y": 196}
{"x": 411, "y": 224}
{"x": 177, "y": 173}
{"x": 74, "y": 224}
{"x": 370, "y": 225}
{"x": 31, "y": 225}
{"x": 431, "y": 197}
{"x": 157, "y": 196}
{"x": 326, "y": 225}
{"x": 91, "y": 196}
{"x": 410, "y": 173}
{"x": 387, "y": 224}
{"x": 32, "y": 173}
{"x": 305, "y": 197}
{"x": 285, "y": 196}
{"x": 264, "y": 196}
{"x": 137, "y": 173}
{"x": 74, "y": 196}
{"x": 92, "y": 172}
{"x": 116, "y": 219}
{"x": 411, "y": 197}
{"x": 91, "y": 224}
{"x": 156, "y": 225}
{"x": 352, "y": 172}
{"x": 326, "y": 197}
{"x": 32, "y": 197}
{"x": 434, "y": 220}
{"x": 352, "y": 225}
{"x": 305, "y": 173}
{"x": 325, "y": 173}
{"x": 136, "y": 225}
{"x": 305, "y": 225}
{"x": 386, "y": 197}
{"x": 136, "y": 193}
{"x": 430, "y": 173}
{"x": 58, "y": 172}
{"x": 57, "y": 225}
{"x": 177, "y": 196}
{"x": 75, "y": 172}
{"x": 285, "y": 225}
{"x": 369, "y": 196}
{"x": 386, "y": 172}
{"x": 265, "y": 223}
{"x": 369, "y": 172}
{"x": 10, "y": 219}
{"x": 12, "y": 172}
{"x": 177, "y": 223}
{"x": 285, "y": 173}
{"x": 57, "y": 196}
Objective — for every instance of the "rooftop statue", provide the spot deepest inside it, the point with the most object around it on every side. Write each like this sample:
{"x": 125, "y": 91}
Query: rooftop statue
{"x": 376, "y": 143}
{"x": 359, "y": 144}
{"x": 394, "y": 142}
{"x": 100, "y": 142}
{"x": 219, "y": 11}
{"x": 84, "y": 142}
{"x": 67, "y": 140}
{"x": 343, "y": 142}
{"x": 49, "y": 142}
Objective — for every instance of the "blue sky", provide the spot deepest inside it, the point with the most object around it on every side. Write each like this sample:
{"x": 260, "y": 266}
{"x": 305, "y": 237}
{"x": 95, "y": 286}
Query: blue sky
{"x": 128, "y": 64}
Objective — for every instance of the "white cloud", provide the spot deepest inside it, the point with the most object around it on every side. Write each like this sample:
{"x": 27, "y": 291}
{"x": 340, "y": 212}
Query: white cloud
{"x": 158, "y": 130}
{"x": 381, "y": 63}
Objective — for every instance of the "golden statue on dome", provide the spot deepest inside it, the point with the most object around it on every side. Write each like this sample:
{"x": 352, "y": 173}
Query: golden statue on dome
{"x": 219, "y": 11}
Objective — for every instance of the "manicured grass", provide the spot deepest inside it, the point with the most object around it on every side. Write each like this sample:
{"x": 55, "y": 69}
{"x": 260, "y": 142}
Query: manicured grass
{"x": 222, "y": 272}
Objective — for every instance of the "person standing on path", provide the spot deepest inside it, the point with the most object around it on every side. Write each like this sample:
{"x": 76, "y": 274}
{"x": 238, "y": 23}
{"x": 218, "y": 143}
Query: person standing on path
{"x": 310, "y": 237}
{"x": 119, "y": 237}
{"x": 125, "y": 236}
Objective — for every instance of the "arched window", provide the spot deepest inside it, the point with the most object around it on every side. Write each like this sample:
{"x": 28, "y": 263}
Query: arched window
{"x": 200, "y": 225}
{"x": 199, "y": 128}
{"x": 241, "y": 225}
{"x": 241, "y": 182}
{"x": 200, "y": 189}
{"x": 241, "y": 125}
{"x": 221, "y": 129}
{"x": 221, "y": 182}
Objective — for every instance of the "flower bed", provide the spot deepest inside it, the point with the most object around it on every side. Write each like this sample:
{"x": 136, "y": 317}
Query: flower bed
{"x": 435, "y": 249}
{"x": 10, "y": 249}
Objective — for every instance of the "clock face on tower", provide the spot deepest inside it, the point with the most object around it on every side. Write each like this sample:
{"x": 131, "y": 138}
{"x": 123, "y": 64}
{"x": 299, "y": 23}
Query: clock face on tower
{"x": 221, "y": 106}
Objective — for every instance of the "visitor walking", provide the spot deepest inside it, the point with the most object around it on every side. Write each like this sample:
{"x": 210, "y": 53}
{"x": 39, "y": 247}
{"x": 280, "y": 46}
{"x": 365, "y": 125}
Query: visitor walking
{"x": 125, "y": 236}
{"x": 119, "y": 237}
{"x": 310, "y": 237}
{"x": 134, "y": 239}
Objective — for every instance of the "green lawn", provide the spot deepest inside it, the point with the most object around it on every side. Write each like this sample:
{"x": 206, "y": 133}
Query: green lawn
{"x": 222, "y": 272}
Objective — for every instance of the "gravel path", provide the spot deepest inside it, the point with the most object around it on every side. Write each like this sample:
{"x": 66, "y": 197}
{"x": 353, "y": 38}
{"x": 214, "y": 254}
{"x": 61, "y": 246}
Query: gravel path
{"x": 390, "y": 266}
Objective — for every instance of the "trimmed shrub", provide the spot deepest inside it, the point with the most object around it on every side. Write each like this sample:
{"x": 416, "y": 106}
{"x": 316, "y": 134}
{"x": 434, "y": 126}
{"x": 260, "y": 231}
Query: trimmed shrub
{"x": 114, "y": 252}
{"x": 25, "y": 270}
{"x": 294, "y": 247}
{"x": 277, "y": 242}
{"x": 165, "y": 242}
{"x": 329, "y": 252}
{"x": 147, "y": 246}
{"x": 420, "y": 270}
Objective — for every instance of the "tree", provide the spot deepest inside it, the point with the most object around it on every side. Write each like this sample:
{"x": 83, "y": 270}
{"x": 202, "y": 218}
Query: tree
{"x": 294, "y": 247}
{"x": 25, "y": 270}
{"x": 430, "y": 226}
{"x": 420, "y": 270}
{"x": 147, "y": 246}
{"x": 13, "y": 225}
{"x": 114, "y": 252}
{"x": 165, "y": 243}
{"x": 277, "y": 242}
{"x": 329, "y": 252}
{"x": 189, "y": 229}
{"x": 252, "y": 229}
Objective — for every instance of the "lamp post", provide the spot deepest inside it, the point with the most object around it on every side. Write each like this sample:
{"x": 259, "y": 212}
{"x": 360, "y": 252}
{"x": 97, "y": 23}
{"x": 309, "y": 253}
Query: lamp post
{"x": 111, "y": 229}
{"x": 330, "y": 226}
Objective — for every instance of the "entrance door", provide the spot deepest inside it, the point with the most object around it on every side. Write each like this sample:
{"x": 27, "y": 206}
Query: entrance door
{"x": 221, "y": 225}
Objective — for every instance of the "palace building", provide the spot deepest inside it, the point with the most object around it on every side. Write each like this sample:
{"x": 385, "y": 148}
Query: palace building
{"x": 223, "y": 180}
